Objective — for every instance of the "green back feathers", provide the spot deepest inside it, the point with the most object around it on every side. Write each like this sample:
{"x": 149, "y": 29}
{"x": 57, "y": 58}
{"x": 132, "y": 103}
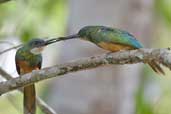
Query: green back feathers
{"x": 98, "y": 34}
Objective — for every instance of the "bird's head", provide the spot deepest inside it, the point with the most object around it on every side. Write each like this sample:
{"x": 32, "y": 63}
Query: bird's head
{"x": 36, "y": 46}
{"x": 84, "y": 33}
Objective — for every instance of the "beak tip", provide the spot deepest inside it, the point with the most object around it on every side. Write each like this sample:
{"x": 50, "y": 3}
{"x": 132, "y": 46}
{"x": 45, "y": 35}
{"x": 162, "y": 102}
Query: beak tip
{"x": 60, "y": 38}
{"x": 50, "y": 41}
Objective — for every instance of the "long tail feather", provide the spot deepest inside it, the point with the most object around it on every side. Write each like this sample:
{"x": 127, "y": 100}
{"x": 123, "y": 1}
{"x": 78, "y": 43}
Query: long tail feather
{"x": 156, "y": 67}
{"x": 30, "y": 99}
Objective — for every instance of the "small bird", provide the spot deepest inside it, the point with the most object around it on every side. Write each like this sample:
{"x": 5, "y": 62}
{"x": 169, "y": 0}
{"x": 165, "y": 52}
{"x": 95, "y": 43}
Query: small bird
{"x": 29, "y": 58}
{"x": 111, "y": 39}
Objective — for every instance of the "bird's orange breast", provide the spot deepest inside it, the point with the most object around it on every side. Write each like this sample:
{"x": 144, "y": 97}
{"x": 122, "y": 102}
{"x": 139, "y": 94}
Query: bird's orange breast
{"x": 114, "y": 47}
{"x": 25, "y": 67}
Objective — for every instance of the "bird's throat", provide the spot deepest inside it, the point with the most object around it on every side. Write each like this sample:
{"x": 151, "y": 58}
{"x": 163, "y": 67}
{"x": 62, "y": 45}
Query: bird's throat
{"x": 37, "y": 51}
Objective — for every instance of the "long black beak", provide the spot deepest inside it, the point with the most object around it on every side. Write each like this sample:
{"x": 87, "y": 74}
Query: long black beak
{"x": 50, "y": 41}
{"x": 61, "y": 38}
{"x": 69, "y": 37}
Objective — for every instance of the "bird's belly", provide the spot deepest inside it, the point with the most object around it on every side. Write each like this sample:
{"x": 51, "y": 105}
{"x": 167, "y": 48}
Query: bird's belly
{"x": 25, "y": 68}
{"x": 114, "y": 47}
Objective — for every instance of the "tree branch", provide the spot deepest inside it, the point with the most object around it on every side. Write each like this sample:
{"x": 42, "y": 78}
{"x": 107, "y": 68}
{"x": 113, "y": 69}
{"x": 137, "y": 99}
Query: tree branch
{"x": 42, "y": 105}
{"x": 162, "y": 56}
{"x": 9, "y": 49}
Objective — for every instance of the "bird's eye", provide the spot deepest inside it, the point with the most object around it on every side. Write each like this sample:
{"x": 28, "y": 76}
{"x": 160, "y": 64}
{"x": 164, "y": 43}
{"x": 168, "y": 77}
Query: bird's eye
{"x": 37, "y": 43}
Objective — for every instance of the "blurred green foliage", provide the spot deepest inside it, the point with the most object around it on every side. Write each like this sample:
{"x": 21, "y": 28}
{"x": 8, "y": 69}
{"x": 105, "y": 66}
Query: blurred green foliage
{"x": 142, "y": 105}
{"x": 33, "y": 18}
{"x": 163, "y": 8}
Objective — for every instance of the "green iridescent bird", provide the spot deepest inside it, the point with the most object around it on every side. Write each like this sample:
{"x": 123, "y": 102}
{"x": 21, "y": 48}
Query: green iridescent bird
{"x": 111, "y": 39}
{"x": 29, "y": 58}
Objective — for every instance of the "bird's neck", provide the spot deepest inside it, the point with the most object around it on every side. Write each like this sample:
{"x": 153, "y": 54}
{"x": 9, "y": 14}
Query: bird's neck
{"x": 25, "y": 54}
